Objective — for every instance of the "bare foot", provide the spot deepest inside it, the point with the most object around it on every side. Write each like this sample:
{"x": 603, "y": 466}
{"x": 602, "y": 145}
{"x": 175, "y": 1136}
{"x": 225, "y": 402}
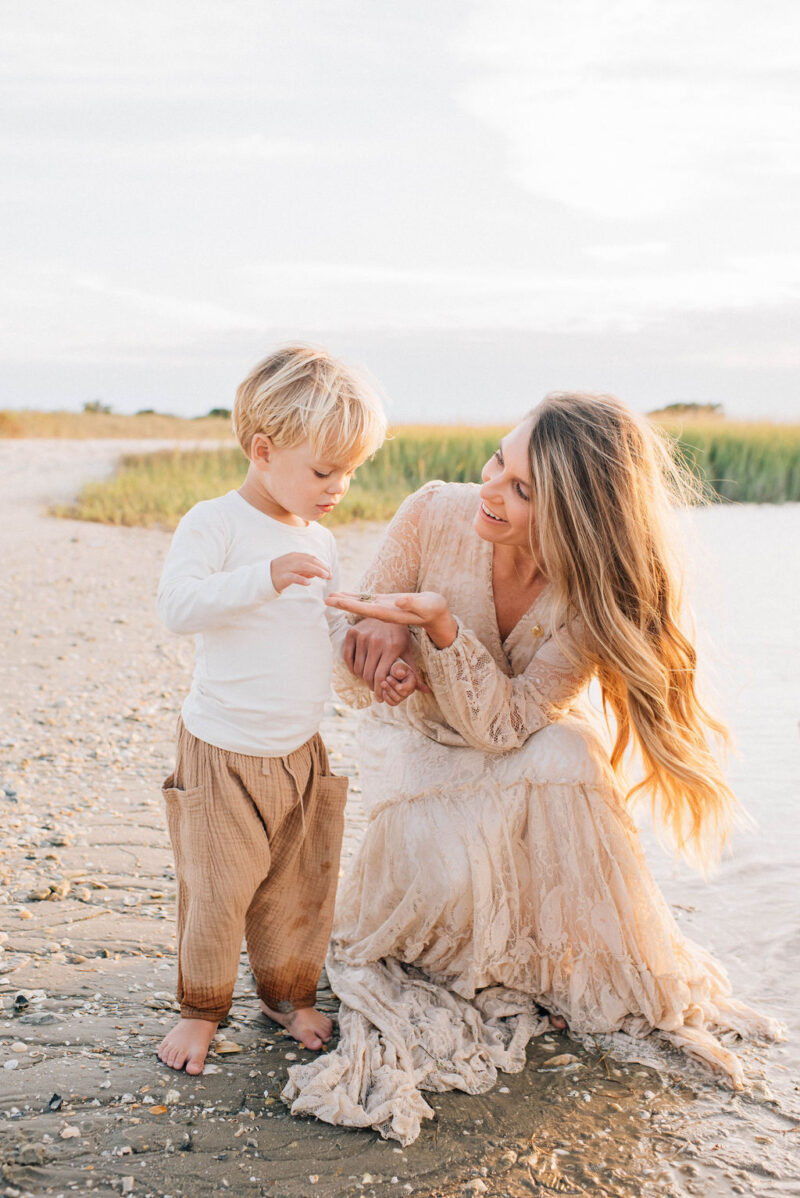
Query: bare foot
{"x": 187, "y": 1044}
{"x": 556, "y": 1021}
{"x": 307, "y": 1025}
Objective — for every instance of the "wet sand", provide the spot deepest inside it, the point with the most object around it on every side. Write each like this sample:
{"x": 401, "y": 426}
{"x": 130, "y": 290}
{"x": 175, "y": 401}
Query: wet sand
{"x": 91, "y": 686}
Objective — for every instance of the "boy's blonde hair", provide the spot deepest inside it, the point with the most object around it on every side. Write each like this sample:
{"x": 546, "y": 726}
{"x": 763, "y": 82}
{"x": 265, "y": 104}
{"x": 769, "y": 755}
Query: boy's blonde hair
{"x": 300, "y": 392}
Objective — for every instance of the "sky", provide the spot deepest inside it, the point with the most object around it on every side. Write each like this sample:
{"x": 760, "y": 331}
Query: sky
{"x": 479, "y": 201}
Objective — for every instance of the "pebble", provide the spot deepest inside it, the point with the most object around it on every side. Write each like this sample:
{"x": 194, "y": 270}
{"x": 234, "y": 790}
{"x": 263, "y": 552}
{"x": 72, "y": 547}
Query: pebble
{"x": 561, "y": 1061}
{"x": 70, "y": 1133}
{"x": 94, "y": 778}
{"x": 32, "y": 1154}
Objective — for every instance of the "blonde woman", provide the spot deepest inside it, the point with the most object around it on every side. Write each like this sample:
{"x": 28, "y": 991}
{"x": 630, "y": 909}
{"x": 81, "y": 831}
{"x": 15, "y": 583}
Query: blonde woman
{"x": 500, "y": 868}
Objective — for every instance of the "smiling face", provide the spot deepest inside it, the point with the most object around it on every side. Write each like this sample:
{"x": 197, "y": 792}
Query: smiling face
{"x": 504, "y": 515}
{"x": 292, "y": 484}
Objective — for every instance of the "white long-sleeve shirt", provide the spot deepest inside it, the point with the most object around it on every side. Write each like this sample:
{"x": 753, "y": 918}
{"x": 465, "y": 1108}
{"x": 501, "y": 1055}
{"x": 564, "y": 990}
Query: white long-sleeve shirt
{"x": 263, "y": 660}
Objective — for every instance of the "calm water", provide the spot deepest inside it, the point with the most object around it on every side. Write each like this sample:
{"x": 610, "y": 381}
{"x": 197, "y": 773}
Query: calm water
{"x": 745, "y": 590}
{"x": 671, "y": 1131}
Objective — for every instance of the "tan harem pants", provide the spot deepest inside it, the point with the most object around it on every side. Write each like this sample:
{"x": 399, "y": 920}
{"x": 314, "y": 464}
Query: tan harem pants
{"x": 257, "y": 843}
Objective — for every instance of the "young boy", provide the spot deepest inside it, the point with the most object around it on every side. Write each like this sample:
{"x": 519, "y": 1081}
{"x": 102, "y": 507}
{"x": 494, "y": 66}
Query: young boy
{"x": 255, "y": 816}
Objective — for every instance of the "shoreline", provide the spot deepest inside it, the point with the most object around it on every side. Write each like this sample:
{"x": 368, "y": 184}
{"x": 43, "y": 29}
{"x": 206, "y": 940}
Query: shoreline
{"x": 93, "y": 687}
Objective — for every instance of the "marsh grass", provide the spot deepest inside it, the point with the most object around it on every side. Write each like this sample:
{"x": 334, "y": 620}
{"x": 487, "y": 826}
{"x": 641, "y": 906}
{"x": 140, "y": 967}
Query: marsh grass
{"x": 742, "y": 463}
{"x": 157, "y": 488}
{"x": 756, "y": 463}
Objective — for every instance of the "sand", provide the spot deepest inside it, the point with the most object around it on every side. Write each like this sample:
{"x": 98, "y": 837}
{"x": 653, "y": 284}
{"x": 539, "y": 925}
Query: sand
{"x": 91, "y": 686}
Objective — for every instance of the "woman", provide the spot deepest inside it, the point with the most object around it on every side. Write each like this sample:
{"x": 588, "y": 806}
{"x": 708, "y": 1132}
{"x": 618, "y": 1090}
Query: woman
{"x": 500, "y": 868}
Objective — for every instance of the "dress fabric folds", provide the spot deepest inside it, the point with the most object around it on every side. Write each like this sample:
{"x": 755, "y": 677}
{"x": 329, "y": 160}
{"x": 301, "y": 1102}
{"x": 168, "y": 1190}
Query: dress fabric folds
{"x": 499, "y": 869}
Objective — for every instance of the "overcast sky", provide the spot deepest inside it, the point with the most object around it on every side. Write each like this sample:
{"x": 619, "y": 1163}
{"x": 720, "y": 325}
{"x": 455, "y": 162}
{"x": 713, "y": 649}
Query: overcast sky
{"x": 481, "y": 201}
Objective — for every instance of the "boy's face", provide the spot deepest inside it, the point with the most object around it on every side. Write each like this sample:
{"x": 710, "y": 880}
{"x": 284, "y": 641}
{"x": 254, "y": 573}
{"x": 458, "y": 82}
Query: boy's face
{"x": 295, "y": 481}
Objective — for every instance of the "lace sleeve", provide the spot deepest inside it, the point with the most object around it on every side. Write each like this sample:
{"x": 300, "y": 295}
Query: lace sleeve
{"x": 395, "y": 568}
{"x": 492, "y": 711}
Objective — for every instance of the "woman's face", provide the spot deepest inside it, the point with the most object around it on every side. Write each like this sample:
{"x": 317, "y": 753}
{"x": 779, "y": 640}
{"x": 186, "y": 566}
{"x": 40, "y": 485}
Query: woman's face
{"x": 504, "y": 515}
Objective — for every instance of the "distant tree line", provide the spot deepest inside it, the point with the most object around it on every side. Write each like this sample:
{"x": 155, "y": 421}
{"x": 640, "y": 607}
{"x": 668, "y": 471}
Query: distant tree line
{"x": 690, "y": 409}
{"x": 98, "y": 408}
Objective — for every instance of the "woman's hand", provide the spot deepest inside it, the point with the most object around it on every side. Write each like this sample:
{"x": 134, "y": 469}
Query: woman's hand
{"x": 426, "y": 609}
{"x": 374, "y": 651}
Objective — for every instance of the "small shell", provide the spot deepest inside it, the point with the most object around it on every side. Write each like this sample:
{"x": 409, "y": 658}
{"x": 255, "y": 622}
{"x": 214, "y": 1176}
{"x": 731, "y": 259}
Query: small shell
{"x": 546, "y": 1173}
{"x": 225, "y": 1046}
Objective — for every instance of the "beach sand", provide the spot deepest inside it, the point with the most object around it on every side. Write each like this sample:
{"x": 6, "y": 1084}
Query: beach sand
{"x": 91, "y": 685}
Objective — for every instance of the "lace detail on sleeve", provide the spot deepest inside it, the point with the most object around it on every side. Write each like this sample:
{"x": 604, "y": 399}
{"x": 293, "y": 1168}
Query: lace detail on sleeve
{"x": 492, "y": 711}
{"x": 395, "y": 568}
{"x": 351, "y": 690}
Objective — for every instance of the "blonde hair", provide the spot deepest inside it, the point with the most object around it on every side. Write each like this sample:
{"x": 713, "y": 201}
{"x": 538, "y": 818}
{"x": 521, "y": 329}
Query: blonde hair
{"x": 604, "y": 485}
{"x": 301, "y": 392}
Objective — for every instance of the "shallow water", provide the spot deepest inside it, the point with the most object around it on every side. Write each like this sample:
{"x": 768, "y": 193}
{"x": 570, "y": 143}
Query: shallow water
{"x": 597, "y": 1125}
{"x": 744, "y": 587}
{"x": 745, "y": 592}
{"x": 606, "y": 1126}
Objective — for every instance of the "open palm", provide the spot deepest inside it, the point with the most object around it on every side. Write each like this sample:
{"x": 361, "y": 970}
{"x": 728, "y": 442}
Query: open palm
{"x": 421, "y": 607}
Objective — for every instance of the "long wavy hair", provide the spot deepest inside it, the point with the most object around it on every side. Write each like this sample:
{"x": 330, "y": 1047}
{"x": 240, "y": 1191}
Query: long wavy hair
{"x": 605, "y": 485}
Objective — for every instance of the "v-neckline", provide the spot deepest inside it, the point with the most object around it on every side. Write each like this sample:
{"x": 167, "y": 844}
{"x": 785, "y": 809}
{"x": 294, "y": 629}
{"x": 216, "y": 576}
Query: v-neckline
{"x": 504, "y": 643}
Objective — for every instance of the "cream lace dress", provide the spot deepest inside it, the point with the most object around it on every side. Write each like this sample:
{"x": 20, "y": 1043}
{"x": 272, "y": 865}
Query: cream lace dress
{"x": 499, "y": 867}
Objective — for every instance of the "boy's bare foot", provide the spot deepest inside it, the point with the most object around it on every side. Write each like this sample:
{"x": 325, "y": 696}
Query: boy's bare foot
{"x": 557, "y": 1022}
{"x": 307, "y": 1025}
{"x": 187, "y": 1044}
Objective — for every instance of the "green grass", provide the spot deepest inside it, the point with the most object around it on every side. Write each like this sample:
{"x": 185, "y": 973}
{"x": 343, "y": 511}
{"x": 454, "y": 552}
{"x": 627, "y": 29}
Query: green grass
{"x": 743, "y": 463}
{"x": 755, "y": 463}
{"x": 157, "y": 488}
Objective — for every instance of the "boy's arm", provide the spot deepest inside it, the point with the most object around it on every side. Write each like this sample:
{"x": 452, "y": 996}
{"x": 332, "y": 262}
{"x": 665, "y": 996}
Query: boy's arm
{"x": 195, "y": 591}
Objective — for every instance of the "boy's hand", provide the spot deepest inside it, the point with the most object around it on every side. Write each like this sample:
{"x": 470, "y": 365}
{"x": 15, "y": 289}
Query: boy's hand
{"x": 401, "y": 682}
{"x": 297, "y": 568}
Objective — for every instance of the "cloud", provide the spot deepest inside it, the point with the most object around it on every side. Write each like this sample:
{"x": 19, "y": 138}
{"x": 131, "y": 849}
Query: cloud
{"x": 178, "y": 313}
{"x": 637, "y": 111}
{"x": 375, "y": 296}
{"x": 212, "y": 152}
{"x": 631, "y": 254}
